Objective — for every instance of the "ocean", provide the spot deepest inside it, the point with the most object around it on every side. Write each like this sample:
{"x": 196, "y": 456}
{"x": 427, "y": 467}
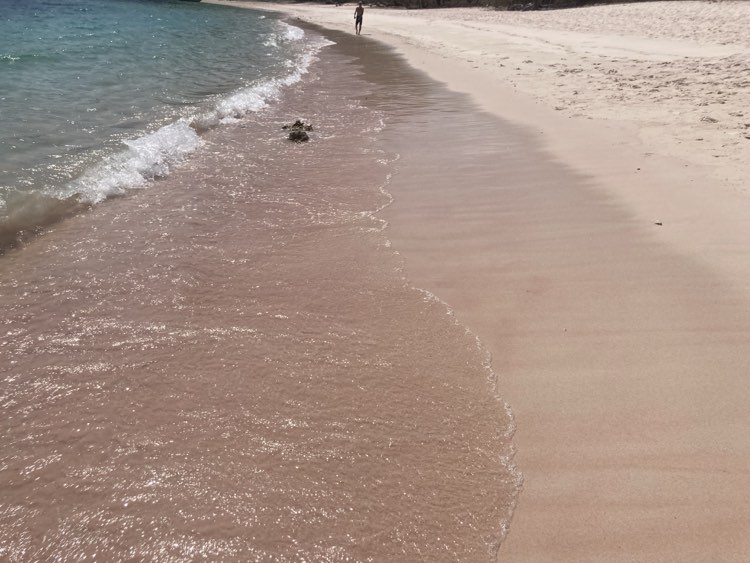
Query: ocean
{"x": 209, "y": 348}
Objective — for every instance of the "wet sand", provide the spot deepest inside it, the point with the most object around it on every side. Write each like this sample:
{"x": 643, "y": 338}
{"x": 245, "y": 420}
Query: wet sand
{"x": 624, "y": 362}
{"x": 605, "y": 270}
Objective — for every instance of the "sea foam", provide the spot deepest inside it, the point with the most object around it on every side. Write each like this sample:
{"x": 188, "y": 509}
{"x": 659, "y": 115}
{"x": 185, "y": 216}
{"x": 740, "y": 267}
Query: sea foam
{"x": 148, "y": 157}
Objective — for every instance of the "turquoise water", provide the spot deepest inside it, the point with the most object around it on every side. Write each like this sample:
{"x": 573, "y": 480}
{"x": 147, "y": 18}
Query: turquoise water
{"x": 100, "y": 96}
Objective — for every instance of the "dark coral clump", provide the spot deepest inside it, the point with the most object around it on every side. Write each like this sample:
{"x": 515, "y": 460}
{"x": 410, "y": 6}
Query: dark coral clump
{"x": 298, "y": 131}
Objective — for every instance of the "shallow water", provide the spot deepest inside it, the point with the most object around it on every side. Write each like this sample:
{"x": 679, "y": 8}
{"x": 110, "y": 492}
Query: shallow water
{"x": 231, "y": 364}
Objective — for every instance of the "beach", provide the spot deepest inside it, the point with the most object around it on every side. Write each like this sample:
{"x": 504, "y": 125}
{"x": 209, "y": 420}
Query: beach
{"x": 603, "y": 264}
{"x": 497, "y": 308}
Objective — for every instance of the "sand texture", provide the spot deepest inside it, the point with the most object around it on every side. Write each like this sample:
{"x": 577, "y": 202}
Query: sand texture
{"x": 604, "y": 262}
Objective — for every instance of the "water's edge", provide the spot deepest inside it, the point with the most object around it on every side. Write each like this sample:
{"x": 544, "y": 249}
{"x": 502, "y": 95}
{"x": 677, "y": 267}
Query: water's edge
{"x": 234, "y": 362}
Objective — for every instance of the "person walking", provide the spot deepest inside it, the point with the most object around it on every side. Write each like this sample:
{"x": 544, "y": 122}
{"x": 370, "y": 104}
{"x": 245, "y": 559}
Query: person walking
{"x": 359, "y": 12}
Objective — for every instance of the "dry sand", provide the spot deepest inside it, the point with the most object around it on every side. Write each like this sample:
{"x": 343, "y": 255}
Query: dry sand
{"x": 610, "y": 279}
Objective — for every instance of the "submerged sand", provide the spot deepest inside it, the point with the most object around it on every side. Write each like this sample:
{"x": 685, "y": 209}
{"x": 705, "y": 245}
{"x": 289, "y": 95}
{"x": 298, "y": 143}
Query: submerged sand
{"x": 606, "y": 269}
{"x": 229, "y": 365}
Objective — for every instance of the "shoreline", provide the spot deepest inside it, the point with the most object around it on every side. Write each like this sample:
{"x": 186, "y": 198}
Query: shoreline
{"x": 232, "y": 362}
{"x": 607, "y": 276}
{"x": 637, "y": 155}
